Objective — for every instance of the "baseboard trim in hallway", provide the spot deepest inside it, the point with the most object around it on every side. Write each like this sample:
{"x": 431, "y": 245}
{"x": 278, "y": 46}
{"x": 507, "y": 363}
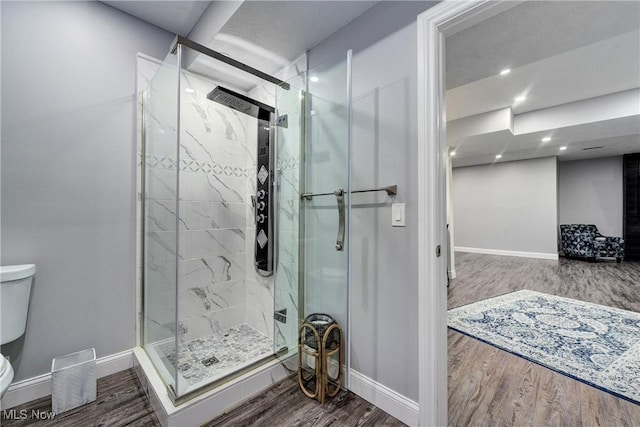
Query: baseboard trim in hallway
{"x": 538, "y": 255}
{"x": 34, "y": 388}
{"x": 393, "y": 403}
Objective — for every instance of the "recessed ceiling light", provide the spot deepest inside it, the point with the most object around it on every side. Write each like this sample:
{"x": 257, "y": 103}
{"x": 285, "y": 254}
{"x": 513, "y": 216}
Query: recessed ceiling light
{"x": 498, "y": 156}
{"x": 520, "y": 98}
{"x": 546, "y": 139}
{"x": 189, "y": 90}
{"x": 453, "y": 153}
{"x": 505, "y": 71}
{"x": 563, "y": 148}
{"x": 314, "y": 79}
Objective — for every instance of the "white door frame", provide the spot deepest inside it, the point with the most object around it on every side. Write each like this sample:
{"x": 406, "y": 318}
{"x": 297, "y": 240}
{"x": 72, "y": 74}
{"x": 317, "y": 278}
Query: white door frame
{"x": 434, "y": 25}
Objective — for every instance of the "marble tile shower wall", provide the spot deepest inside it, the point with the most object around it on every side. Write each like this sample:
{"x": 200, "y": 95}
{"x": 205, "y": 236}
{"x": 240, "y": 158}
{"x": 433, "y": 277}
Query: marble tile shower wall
{"x": 283, "y": 288}
{"x": 215, "y": 167}
{"x": 218, "y": 285}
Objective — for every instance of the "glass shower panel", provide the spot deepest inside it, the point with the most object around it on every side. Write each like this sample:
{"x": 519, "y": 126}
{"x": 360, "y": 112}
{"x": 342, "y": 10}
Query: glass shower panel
{"x": 289, "y": 167}
{"x": 160, "y": 156}
{"x": 325, "y": 209}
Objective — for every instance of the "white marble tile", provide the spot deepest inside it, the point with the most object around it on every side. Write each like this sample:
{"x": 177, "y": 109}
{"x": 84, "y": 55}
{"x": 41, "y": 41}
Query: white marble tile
{"x": 288, "y": 215}
{"x": 228, "y": 215}
{"x": 259, "y": 300}
{"x": 160, "y": 316}
{"x": 259, "y": 320}
{"x": 208, "y": 299}
{"x": 160, "y": 184}
{"x": 195, "y": 215}
{"x": 160, "y": 277}
{"x": 201, "y": 325}
{"x": 209, "y": 270}
{"x": 199, "y": 113}
{"x": 161, "y": 139}
{"x": 212, "y": 148}
{"x": 160, "y": 247}
{"x": 212, "y": 187}
{"x": 161, "y": 215}
{"x": 207, "y": 243}
{"x": 260, "y": 294}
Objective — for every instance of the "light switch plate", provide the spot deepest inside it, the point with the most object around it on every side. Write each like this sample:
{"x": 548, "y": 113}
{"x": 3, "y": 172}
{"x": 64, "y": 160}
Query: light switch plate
{"x": 397, "y": 215}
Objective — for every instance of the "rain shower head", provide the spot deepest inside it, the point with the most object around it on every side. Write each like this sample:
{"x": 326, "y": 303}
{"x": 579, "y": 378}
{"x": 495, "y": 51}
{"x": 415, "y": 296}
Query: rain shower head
{"x": 240, "y": 103}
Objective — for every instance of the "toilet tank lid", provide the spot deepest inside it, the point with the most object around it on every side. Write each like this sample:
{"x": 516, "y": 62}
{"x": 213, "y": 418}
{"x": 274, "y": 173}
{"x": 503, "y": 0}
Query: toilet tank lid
{"x": 16, "y": 272}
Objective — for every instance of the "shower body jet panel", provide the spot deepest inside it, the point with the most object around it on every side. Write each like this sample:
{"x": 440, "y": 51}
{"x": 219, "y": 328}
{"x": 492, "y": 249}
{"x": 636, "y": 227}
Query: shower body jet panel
{"x": 263, "y": 200}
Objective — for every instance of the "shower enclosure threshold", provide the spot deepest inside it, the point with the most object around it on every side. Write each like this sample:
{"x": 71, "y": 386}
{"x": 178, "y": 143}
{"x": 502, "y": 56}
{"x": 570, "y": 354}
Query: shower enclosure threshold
{"x": 205, "y": 404}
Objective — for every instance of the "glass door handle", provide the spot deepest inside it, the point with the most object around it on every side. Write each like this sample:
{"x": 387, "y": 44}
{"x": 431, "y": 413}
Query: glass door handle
{"x": 339, "y": 193}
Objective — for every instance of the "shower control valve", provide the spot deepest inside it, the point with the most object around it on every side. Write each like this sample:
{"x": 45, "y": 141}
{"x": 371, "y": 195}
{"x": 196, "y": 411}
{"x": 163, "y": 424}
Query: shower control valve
{"x": 261, "y": 194}
{"x": 260, "y": 218}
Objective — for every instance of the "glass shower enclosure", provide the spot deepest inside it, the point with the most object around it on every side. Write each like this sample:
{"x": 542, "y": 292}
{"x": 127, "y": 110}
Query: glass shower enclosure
{"x": 235, "y": 253}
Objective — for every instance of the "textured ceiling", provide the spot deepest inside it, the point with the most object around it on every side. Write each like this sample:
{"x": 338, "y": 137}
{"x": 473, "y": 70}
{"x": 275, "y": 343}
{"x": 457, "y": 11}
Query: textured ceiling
{"x": 558, "y": 53}
{"x": 531, "y": 32}
{"x": 288, "y": 28}
{"x": 267, "y": 35}
{"x": 178, "y": 17}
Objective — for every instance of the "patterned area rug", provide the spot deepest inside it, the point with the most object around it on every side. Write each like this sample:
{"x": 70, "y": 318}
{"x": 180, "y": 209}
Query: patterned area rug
{"x": 592, "y": 343}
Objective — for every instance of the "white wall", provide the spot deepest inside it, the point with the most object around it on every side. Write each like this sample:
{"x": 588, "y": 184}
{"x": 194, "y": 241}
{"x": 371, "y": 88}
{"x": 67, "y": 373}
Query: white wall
{"x": 590, "y": 192}
{"x": 384, "y": 287}
{"x": 507, "y": 206}
{"x": 69, "y": 170}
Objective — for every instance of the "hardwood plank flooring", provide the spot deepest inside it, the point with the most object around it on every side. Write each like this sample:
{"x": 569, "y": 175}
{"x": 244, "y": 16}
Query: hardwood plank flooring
{"x": 285, "y": 405}
{"x": 491, "y": 387}
{"x": 120, "y": 402}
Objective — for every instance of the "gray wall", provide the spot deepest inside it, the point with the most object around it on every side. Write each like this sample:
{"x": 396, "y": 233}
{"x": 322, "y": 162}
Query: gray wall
{"x": 68, "y": 172}
{"x": 590, "y": 192}
{"x": 384, "y": 288}
{"x": 507, "y": 206}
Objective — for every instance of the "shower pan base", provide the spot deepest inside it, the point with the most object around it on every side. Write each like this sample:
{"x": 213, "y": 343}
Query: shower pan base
{"x": 207, "y": 359}
{"x": 212, "y": 403}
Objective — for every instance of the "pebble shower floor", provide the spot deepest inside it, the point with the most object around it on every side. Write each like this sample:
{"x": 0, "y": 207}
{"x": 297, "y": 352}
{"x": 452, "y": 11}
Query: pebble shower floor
{"x": 217, "y": 355}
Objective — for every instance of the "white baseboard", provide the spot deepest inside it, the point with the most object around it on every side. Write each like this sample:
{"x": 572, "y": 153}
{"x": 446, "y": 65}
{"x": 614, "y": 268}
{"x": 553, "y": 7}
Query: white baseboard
{"x": 34, "y": 388}
{"x": 395, "y": 404}
{"x": 452, "y": 274}
{"x": 540, "y": 255}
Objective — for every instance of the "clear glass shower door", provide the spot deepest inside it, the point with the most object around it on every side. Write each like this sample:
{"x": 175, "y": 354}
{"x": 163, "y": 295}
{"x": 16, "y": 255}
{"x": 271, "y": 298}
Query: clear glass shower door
{"x": 326, "y": 201}
{"x": 314, "y": 186}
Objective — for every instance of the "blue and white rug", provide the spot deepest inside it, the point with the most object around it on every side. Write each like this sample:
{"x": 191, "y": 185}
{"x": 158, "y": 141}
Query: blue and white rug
{"x": 592, "y": 343}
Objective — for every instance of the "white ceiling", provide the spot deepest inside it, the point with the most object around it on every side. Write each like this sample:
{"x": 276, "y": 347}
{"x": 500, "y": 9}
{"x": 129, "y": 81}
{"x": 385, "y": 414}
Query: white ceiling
{"x": 267, "y": 35}
{"x": 559, "y": 53}
{"x": 178, "y": 17}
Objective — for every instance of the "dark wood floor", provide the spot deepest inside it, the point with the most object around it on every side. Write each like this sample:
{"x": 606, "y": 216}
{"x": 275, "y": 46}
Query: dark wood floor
{"x": 120, "y": 402}
{"x": 285, "y": 405}
{"x": 490, "y": 387}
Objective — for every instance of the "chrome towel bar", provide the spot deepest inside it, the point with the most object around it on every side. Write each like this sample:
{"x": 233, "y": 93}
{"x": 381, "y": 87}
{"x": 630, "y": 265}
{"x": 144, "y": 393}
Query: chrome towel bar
{"x": 391, "y": 190}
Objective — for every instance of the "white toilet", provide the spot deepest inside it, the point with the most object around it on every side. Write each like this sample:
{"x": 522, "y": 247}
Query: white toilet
{"x": 15, "y": 289}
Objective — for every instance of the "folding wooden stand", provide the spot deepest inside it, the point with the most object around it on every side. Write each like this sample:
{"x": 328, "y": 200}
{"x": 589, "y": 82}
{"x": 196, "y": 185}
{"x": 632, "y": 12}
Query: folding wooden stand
{"x": 317, "y": 383}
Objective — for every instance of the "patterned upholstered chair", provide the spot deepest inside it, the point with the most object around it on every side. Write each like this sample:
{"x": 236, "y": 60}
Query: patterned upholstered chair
{"x": 585, "y": 241}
